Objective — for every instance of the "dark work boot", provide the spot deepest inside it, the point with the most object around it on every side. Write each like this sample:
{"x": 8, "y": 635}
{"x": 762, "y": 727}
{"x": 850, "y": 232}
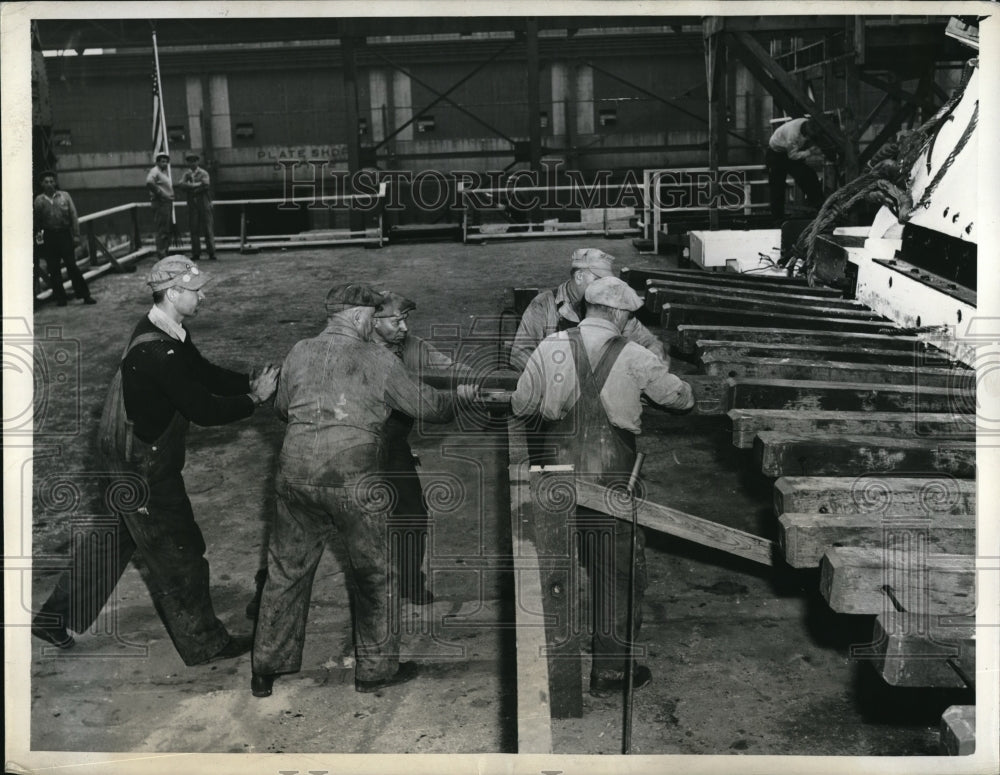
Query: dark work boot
{"x": 253, "y": 607}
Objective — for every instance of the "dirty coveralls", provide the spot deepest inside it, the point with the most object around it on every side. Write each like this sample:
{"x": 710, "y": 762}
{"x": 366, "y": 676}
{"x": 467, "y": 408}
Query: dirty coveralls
{"x": 336, "y": 392}
{"x": 409, "y": 518}
{"x": 166, "y": 384}
{"x": 199, "y": 204}
{"x": 551, "y": 311}
{"x": 586, "y": 384}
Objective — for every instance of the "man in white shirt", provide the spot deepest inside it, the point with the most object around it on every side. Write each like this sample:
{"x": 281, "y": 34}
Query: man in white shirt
{"x": 161, "y": 195}
{"x": 787, "y": 151}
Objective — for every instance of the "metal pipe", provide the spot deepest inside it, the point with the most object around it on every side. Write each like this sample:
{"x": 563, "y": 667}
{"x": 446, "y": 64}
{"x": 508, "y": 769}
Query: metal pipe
{"x": 633, "y": 479}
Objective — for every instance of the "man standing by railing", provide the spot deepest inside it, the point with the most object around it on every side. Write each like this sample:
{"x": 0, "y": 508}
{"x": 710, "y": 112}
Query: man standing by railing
{"x": 195, "y": 182}
{"x": 161, "y": 193}
{"x": 56, "y": 219}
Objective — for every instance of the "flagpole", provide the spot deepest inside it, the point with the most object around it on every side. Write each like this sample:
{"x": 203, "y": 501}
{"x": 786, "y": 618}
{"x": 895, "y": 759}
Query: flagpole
{"x": 163, "y": 122}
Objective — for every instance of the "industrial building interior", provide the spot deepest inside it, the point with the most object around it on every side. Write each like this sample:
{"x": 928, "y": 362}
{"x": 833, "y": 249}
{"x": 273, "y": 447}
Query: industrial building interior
{"x": 811, "y": 525}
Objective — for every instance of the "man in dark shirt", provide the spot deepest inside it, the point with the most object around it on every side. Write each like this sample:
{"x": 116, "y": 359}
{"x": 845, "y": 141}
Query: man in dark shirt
{"x": 56, "y": 219}
{"x": 336, "y": 393}
{"x": 166, "y": 383}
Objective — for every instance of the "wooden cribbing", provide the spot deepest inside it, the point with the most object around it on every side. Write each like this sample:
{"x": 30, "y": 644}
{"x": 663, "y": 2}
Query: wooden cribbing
{"x": 805, "y": 538}
{"x": 847, "y": 396}
{"x": 719, "y": 349}
{"x": 832, "y": 371}
{"x": 747, "y": 423}
{"x": 958, "y": 730}
{"x": 745, "y": 302}
{"x": 868, "y": 581}
{"x": 783, "y": 294}
{"x": 915, "y": 650}
{"x": 886, "y": 495}
{"x": 781, "y": 454}
{"x": 674, "y": 315}
{"x": 687, "y": 336}
{"x": 639, "y": 278}
{"x": 676, "y": 523}
{"x": 534, "y": 712}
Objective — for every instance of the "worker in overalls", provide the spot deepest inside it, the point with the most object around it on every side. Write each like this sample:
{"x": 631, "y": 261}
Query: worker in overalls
{"x": 563, "y": 307}
{"x": 586, "y": 384}
{"x": 165, "y": 384}
{"x": 196, "y": 181}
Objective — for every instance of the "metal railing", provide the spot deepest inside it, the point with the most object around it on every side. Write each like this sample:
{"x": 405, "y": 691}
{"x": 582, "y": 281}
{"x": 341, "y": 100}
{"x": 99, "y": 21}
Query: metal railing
{"x": 478, "y": 200}
{"x": 116, "y": 238}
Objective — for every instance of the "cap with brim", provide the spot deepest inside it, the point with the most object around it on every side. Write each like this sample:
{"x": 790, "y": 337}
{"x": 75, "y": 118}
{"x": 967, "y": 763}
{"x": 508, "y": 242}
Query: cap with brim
{"x": 192, "y": 157}
{"x": 350, "y": 295}
{"x": 161, "y": 156}
{"x": 176, "y": 272}
{"x": 393, "y": 305}
{"x": 597, "y": 261}
{"x": 612, "y": 292}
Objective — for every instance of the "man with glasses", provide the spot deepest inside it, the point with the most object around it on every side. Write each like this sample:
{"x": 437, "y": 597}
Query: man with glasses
{"x": 564, "y": 307}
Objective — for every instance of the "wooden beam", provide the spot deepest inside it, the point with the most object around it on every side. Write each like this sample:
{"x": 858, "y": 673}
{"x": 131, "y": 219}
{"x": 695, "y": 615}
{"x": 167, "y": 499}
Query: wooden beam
{"x": 958, "y": 730}
{"x": 534, "y": 120}
{"x": 780, "y": 454}
{"x": 735, "y": 300}
{"x": 551, "y": 517}
{"x": 888, "y": 132}
{"x": 677, "y": 523}
{"x": 688, "y": 335}
{"x": 747, "y": 423}
{"x": 710, "y": 393}
{"x": 866, "y": 581}
{"x": 715, "y": 79}
{"x": 846, "y": 396}
{"x": 805, "y": 538}
{"x": 534, "y": 713}
{"x": 783, "y": 294}
{"x": 848, "y": 353}
{"x": 911, "y": 651}
{"x": 674, "y": 315}
{"x": 887, "y": 495}
{"x": 895, "y": 91}
{"x": 640, "y": 278}
{"x": 829, "y": 371}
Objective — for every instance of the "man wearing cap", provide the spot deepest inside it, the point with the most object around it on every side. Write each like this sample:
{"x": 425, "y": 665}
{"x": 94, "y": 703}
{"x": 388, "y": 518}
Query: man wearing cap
{"x": 409, "y": 514}
{"x": 586, "y": 383}
{"x": 336, "y": 393}
{"x": 56, "y": 219}
{"x": 161, "y": 195}
{"x": 563, "y": 307}
{"x": 165, "y": 384}
{"x": 195, "y": 181}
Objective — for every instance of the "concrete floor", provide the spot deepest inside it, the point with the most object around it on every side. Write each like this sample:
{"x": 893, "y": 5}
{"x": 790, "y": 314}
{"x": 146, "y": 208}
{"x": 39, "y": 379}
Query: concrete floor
{"x": 746, "y": 660}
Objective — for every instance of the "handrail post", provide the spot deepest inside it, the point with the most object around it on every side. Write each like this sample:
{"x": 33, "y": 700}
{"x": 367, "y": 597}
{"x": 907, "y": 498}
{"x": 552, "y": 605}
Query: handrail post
{"x": 136, "y": 236}
{"x": 243, "y": 228}
{"x": 91, "y": 244}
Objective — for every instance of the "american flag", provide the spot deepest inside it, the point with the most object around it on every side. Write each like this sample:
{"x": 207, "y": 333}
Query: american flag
{"x": 160, "y": 144}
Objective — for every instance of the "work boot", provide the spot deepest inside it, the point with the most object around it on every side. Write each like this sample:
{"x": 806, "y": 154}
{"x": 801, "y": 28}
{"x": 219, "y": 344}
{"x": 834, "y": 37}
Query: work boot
{"x": 406, "y": 672}
{"x": 253, "y": 607}
{"x": 260, "y": 684}
{"x": 57, "y": 635}
{"x": 613, "y": 681}
{"x": 89, "y": 300}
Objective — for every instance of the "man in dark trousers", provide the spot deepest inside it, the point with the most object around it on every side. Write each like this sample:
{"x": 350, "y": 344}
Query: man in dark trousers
{"x": 195, "y": 182}
{"x": 563, "y": 307}
{"x": 586, "y": 383}
{"x": 409, "y": 515}
{"x": 790, "y": 146}
{"x": 336, "y": 392}
{"x": 161, "y": 197}
{"x": 165, "y": 384}
{"x": 56, "y": 219}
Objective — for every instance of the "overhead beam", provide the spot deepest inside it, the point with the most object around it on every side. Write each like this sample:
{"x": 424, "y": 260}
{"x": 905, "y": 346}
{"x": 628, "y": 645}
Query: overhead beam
{"x": 778, "y": 453}
{"x": 782, "y": 86}
{"x": 895, "y": 91}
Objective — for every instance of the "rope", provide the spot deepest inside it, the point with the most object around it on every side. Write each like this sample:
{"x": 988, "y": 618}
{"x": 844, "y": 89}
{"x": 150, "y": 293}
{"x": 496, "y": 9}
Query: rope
{"x": 925, "y": 198}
